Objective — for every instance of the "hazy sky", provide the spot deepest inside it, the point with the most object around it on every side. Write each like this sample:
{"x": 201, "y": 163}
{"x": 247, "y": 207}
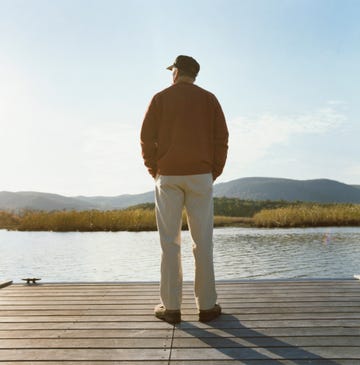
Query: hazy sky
{"x": 76, "y": 77}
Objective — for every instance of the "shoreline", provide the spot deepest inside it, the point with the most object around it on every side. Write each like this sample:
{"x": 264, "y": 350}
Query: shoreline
{"x": 235, "y": 225}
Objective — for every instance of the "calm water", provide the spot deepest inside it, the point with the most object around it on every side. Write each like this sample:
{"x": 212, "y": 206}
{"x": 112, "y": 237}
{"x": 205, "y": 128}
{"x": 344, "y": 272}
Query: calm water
{"x": 240, "y": 253}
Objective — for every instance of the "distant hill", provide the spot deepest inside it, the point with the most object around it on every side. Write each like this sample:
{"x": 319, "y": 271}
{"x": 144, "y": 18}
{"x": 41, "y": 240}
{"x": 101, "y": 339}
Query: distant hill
{"x": 251, "y": 188}
{"x": 262, "y": 188}
{"x": 40, "y": 201}
{"x": 16, "y": 201}
{"x": 117, "y": 202}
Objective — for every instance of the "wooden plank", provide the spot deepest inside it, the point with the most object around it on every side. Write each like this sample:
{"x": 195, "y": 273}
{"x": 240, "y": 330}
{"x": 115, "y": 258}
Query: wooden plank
{"x": 281, "y": 316}
{"x": 243, "y": 332}
{"x": 284, "y": 332}
{"x": 89, "y": 362}
{"x": 79, "y": 318}
{"x": 268, "y": 341}
{"x": 279, "y": 323}
{"x": 96, "y": 362}
{"x": 140, "y": 310}
{"x": 131, "y": 354}
{"x": 87, "y": 333}
{"x": 271, "y": 353}
{"x": 230, "y": 327}
{"x": 161, "y": 325}
{"x": 85, "y": 317}
{"x": 187, "y": 301}
{"x": 90, "y": 343}
{"x": 84, "y": 325}
{"x": 187, "y": 290}
{"x": 229, "y": 294}
{"x": 297, "y": 321}
{"x": 187, "y": 287}
{"x": 194, "y": 362}
{"x": 258, "y": 362}
{"x": 231, "y": 306}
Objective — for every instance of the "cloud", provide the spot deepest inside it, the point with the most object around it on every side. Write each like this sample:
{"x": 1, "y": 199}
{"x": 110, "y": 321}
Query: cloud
{"x": 253, "y": 137}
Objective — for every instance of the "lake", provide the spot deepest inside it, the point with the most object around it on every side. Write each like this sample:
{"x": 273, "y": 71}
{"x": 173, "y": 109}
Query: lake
{"x": 239, "y": 253}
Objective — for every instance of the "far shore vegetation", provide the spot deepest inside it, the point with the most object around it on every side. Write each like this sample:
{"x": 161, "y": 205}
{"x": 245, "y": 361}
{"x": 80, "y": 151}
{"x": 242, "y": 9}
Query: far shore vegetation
{"x": 228, "y": 212}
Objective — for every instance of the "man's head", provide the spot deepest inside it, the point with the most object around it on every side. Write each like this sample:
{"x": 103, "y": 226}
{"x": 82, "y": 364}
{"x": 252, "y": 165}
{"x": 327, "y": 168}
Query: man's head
{"x": 185, "y": 66}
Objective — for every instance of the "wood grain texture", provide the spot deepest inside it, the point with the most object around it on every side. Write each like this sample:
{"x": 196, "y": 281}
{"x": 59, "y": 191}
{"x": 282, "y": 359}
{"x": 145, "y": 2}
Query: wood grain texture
{"x": 263, "y": 323}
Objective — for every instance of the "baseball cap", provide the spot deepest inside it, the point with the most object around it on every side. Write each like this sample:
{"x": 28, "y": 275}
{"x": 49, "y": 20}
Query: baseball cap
{"x": 187, "y": 64}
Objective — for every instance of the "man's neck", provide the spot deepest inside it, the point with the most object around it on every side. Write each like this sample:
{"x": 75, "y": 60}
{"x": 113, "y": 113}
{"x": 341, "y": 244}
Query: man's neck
{"x": 185, "y": 79}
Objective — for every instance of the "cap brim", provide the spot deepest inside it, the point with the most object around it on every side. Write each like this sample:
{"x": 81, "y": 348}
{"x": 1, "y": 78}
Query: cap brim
{"x": 170, "y": 67}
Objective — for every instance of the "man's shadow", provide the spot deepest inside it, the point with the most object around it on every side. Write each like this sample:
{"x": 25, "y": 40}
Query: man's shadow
{"x": 257, "y": 343}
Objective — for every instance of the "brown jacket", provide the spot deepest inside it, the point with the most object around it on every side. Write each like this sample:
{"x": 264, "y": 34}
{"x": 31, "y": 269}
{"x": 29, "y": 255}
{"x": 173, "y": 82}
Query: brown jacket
{"x": 184, "y": 132}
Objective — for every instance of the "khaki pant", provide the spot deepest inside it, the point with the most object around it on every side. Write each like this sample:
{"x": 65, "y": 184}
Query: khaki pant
{"x": 172, "y": 194}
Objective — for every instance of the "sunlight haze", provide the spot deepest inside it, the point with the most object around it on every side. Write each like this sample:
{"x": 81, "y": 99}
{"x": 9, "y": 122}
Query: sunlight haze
{"x": 76, "y": 78}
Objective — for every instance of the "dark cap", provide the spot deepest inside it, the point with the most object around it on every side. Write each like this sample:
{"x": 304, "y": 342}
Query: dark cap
{"x": 187, "y": 64}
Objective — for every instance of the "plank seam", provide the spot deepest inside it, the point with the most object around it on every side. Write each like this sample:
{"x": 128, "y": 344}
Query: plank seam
{"x": 171, "y": 344}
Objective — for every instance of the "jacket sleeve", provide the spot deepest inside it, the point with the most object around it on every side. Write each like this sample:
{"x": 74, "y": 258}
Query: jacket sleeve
{"x": 221, "y": 136}
{"x": 148, "y": 138}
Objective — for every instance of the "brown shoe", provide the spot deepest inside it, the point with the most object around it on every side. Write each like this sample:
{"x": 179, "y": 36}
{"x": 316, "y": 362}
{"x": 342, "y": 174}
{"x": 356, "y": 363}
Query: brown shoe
{"x": 167, "y": 315}
{"x": 208, "y": 315}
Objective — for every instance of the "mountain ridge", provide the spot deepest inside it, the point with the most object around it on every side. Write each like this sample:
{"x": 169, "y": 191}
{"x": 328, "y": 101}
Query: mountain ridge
{"x": 265, "y": 188}
{"x": 247, "y": 188}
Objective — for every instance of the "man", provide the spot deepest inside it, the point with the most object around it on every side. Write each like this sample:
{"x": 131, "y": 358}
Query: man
{"x": 184, "y": 140}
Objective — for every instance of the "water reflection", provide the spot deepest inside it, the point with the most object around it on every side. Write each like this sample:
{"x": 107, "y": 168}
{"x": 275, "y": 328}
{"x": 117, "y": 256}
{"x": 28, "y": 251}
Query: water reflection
{"x": 239, "y": 253}
{"x": 295, "y": 253}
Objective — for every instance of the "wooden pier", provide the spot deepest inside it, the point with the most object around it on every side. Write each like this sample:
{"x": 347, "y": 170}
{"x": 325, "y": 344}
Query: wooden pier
{"x": 264, "y": 322}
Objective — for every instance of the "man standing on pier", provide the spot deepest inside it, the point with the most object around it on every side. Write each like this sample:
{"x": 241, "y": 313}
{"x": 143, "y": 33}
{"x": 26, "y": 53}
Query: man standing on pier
{"x": 184, "y": 141}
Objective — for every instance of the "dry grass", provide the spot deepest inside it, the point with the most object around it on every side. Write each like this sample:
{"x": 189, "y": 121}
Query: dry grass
{"x": 9, "y": 220}
{"x": 94, "y": 220}
{"x": 309, "y": 216}
{"x": 224, "y": 221}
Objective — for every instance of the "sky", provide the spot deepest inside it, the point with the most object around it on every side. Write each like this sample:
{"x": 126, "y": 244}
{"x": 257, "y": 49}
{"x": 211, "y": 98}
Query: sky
{"x": 76, "y": 77}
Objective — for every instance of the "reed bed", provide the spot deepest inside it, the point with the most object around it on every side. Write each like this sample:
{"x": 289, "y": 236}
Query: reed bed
{"x": 88, "y": 221}
{"x": 92, "y": 221}
{"x": 9, "y": 220}
{"x": 309, "y": 216}
{"x": 225, "y": 221}
{"x": 143, "y": 219}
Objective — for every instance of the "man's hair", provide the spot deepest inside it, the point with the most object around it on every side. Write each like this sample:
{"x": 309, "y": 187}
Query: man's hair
{"x": 184, "y": 73}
